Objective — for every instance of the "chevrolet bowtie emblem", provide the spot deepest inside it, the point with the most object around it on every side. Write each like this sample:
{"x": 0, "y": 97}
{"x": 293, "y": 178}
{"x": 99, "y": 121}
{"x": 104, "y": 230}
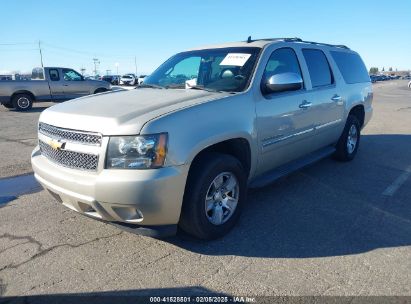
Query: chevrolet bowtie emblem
{"x": 57, "y": 145}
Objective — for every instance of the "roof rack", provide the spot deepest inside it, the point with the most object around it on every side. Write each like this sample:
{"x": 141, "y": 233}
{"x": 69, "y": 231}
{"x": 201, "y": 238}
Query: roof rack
{"x": 295, "y": 39}
{"x": 326, "y": 44}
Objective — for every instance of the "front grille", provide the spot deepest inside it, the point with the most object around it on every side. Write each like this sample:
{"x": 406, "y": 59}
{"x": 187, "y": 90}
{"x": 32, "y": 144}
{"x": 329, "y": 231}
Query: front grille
{"x": 86, "y": 138}
{"x": 69, "y": 159}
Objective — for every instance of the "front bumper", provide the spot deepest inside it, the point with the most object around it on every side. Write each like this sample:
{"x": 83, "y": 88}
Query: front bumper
{"x": 128, "y": 197}
{"x": 5, "y": 99}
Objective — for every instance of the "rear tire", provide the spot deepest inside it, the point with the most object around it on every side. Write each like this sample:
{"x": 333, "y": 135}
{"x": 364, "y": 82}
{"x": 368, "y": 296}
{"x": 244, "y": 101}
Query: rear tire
{"x": 349, "y": 141}
{"x": 214, "y": 196}
{"x": 22, "y": 102}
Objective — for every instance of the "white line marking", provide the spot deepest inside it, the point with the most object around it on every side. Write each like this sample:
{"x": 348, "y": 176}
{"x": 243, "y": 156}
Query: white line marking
{"x": 391, "y": 189}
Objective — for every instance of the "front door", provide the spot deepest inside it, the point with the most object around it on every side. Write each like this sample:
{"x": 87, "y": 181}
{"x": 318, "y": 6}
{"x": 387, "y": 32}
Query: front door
{"x": 285, "y": 120}
{"x": 74, "y": 84}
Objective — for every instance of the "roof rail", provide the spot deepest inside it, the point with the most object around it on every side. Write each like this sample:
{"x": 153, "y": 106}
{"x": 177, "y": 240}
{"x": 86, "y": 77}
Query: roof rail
{"x": 249, "y": 40}
{"x": 326, "y": 44}
{"x": 295, "y": 39}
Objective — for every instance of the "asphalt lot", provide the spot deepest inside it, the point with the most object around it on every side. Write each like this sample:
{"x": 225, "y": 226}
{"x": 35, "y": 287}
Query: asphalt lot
{"x": 330, "y": 229}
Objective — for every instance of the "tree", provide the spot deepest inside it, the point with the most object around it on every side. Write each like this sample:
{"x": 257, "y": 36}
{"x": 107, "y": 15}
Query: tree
{"x": 373, "y": 70}
{"x": 383, "y": 69}
{"x": 390, "y": 69}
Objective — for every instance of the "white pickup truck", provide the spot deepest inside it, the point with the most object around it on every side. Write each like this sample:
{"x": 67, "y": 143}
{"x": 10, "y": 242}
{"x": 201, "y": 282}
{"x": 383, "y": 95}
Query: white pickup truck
{"x": 54, "y": 84}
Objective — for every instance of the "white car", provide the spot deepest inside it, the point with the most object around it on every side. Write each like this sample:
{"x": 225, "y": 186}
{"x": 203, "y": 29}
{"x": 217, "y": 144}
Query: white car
{"x": 128, "y": 79}
{"x": 409, "y": 84}
{"x": 141, "y": 79}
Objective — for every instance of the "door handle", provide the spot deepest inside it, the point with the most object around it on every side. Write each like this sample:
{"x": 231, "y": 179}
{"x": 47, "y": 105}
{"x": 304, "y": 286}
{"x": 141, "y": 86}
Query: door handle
{"x": 305, "y": 104}
{"x": 66, "y": 85}
{"x": 336, "y": 98}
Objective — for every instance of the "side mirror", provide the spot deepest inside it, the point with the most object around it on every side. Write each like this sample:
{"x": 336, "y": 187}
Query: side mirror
{"x": 282, "y": 82}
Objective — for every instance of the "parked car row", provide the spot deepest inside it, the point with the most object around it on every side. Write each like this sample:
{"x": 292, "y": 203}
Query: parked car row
{"x": 127, "y": 79}
{"x": 375, "y": 78}
{"x": 113, "y": 79}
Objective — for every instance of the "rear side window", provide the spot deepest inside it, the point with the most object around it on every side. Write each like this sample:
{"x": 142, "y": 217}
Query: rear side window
{"x": 318, "y": 67}
{"x": 54, "y": 75}
{"x": 351, "y": 67}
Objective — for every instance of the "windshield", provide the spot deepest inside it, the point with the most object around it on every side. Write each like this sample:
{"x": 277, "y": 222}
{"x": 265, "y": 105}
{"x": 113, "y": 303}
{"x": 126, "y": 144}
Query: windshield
{"x": 226, "y": 69}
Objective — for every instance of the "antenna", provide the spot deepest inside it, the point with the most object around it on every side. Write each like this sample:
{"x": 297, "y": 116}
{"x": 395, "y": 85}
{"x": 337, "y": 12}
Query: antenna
{"x": 41, "y": 55}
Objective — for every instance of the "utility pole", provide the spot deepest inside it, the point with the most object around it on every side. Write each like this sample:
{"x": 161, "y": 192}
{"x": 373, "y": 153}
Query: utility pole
{"x": 108, "y": 72}
{"x": 41, "y": 55}
{"x": 135, "y": 64}
{"x": 96, "y": 62}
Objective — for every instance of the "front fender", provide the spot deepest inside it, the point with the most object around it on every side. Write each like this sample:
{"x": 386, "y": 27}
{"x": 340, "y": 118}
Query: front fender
{"x": 193, "y": 129}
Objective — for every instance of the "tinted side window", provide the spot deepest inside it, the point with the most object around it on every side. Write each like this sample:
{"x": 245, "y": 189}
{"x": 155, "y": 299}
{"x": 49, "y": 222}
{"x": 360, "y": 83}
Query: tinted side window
{"x": 351, "y": 67}
{"x": 318, "y": 67}
{"x": 282, "y": 61}
{"x": 54, "y": 75}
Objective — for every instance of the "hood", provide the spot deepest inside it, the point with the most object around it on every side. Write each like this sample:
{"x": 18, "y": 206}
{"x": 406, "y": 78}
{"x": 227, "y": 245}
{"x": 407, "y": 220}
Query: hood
{"x": 122, "y": 112}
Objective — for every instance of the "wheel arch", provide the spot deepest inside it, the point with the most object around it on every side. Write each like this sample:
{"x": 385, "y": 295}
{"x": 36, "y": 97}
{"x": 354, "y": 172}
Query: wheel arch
{"x": 33, "y": 97}
{"x": 359, "y": 112}
{"x": 100, "y": 90}
{"x": 238, "y": 147}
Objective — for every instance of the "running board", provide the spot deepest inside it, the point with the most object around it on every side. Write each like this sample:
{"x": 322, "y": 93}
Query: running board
{"x": 291, "y": 167}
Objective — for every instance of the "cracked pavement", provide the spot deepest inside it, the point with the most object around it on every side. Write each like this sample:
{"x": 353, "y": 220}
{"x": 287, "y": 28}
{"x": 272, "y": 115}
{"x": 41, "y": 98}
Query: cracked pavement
{"x": 324, "y": 230}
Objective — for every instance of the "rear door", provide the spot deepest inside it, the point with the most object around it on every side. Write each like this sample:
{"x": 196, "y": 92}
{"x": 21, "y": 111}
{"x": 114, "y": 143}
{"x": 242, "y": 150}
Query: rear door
{"x": 74, "y": 84}
{"x": 55, "y": 84}
{"x": 326, "y": 96}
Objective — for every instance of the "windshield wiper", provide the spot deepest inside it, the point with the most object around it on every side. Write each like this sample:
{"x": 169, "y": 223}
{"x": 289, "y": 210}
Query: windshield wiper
{"x": 148, "y": 85}
{"x": 197, "y": 87}
{"x": 175, "y": 86}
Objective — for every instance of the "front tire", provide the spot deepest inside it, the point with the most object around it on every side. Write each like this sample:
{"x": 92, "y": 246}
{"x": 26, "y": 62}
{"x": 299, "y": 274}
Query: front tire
{"x": 22, "y": 102}
{"x": 214, "y": 196}
{"x": 349, "y": 141}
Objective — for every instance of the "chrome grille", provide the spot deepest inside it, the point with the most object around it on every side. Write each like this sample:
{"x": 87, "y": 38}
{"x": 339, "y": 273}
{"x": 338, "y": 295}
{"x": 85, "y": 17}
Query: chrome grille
{"x": 69, "y": 159}
{"x": 86, "y": 138}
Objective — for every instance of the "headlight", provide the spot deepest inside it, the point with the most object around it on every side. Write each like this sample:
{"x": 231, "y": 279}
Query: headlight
{"x": 137, "y": 152}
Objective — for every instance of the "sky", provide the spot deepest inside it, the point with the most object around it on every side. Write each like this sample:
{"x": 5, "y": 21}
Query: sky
{"x": 125, "y": 34}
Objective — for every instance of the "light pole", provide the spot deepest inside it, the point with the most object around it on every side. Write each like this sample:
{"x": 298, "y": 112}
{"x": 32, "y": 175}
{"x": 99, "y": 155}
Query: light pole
{"x": 118, "y": 76}
{"x": 96, "y": 62}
